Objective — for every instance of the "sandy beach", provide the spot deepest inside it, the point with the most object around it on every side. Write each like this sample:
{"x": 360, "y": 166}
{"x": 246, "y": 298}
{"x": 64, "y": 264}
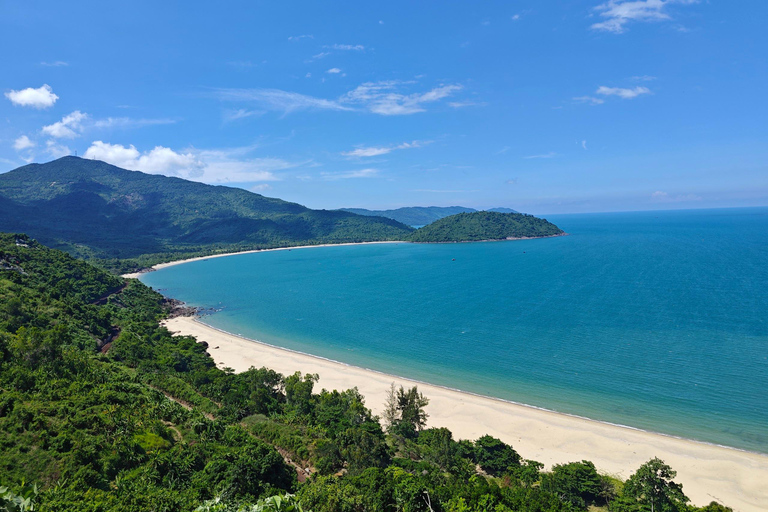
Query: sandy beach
{"x": 135, "y": 275}
{"x": 736, "y": 478}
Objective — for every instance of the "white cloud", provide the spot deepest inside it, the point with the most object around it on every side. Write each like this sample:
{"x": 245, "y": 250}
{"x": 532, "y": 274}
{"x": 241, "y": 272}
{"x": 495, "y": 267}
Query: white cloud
{"x": 381, "y": 98}
{"x": 320, "y": 55}
{"x": 584, "y": 144}
{"x": 261, "y": 187}
{"x": 231, "y": 165}
{"x": 299, "y": 38}
{"x": 23, "y": 143}
{"x": 55, "y": 64}
{"x": 348, "y": 47}
{"x": 551, "y": 154}
{"x": 618, "y": 13}
{"x": 57, "y": 150}
{"x": 39, "y": 98}
{"x": 69, "y": 127}
{"x": 516, "y": 17}
{"x": 643, "y": 78}
{"x": 377, "y": 151}
{"x": 626, "y": 94}
{"x": 362, "y": 173}
{"x": 589, "y": 99}
{"x": 334, "y": 71}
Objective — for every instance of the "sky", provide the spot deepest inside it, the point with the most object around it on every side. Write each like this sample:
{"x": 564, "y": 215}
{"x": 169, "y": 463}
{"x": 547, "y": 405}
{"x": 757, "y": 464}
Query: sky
{"x": 545, "y": 107}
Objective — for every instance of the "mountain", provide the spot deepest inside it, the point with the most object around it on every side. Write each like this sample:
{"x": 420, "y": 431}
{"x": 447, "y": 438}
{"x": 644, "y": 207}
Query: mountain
{"x": 475, "y": 226}
{"x": 92, "y": 209}
{"x": 420, "y": 215}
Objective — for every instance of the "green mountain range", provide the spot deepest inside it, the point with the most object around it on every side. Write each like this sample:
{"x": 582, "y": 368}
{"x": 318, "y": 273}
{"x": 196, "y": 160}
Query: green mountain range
{"x": 92, "y": 209}
{"x": 421, "y": 215}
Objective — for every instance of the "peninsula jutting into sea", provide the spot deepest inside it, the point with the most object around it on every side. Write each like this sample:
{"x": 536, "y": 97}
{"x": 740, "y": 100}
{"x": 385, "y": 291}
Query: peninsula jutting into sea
{"x": 383, "y": 257}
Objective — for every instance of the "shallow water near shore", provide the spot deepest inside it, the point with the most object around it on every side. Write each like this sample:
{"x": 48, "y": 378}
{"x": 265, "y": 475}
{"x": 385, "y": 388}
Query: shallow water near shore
{"x": 655, "y": 320}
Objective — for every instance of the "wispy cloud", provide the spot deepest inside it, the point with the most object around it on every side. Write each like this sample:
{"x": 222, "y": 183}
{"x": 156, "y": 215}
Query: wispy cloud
{"x": 55, "y": 64}
{"x": 384, "y": 98}
{"x": 320, "y": 55}
{"x": 347, "y": 47}
{"x": 57, "y": 150}
{"x": 618, "y": 13}
{"x": 299, "y": 38}
{"x": 362, "y": 173}
{"x": 584, "y": 144}
{"x": 462, "y": 104}
{"x": 663, "y": 197}
{"x": 40, "y": 98}
{"x": 228, "y": 165}
{"x": 589, "y": 99}
{"x": 551, "y": 154}
{"x": 626, "y": 94}
{"x": 279, "y": 100}
{"x": 129, "y": 122}
{"x": 241, "y": 113}
{"x": 383, "y": 150}
{"x": 334, "y": 71}
{"x": 643, "y": 78}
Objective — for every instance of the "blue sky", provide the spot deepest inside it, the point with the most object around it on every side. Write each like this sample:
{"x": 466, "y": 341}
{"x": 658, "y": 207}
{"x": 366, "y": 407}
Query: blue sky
{"x": 545, "y": 107}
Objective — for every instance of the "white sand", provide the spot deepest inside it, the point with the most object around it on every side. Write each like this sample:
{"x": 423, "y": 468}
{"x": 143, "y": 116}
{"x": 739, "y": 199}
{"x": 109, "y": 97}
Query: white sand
{"x": 135, "y": 275}
{"x": 736, "y": 478}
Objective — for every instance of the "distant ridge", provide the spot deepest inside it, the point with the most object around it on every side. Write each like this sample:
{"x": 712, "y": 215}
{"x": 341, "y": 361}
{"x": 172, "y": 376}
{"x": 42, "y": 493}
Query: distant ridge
{"x": 93, "y": 209}
{"x": 421, "y": 215}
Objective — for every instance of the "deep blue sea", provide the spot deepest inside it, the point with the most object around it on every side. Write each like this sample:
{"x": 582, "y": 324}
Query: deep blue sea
{"x": 656, "y": 320}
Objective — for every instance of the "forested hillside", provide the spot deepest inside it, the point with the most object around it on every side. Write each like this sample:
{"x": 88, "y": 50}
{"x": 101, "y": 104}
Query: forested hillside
{"x": 476, "y": 226}
{"x": 95, "y": 210}
{"x": 102, "y": 409}
{"x": 421, "y": 215}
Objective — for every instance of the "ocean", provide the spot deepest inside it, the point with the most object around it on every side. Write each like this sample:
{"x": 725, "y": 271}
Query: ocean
{"x": 654, "y": 320}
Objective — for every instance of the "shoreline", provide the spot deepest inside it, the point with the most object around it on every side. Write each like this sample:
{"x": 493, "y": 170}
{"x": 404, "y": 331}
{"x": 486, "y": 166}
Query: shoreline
{"x": 197, "y": 318}
{"x": 135, "y": 275}
{"x": 709, "y": 472}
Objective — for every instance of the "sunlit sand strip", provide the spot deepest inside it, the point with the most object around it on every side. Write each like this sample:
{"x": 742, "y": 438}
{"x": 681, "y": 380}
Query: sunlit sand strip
{"x": 136, "y": 275}
{"x": 708, "y": 472}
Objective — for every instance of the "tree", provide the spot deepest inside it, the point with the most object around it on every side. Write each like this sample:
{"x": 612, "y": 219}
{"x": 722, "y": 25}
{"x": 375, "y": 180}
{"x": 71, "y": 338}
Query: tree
{"x": 576, "y": 482}
{"x": 495, "y": 456}
{"x": 391, "y": 413}
{"x": 404, "y": 413}
{"x": 298, "y": 391}
{"x": 653, "y": 489}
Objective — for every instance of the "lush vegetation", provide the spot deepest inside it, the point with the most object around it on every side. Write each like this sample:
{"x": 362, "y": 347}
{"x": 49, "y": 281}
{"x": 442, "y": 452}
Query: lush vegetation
{"x": 476, "y": 226}
{"x": 102, "y": 409}
{"x": 95, "y": 210}
{"x": 421, "y": 215}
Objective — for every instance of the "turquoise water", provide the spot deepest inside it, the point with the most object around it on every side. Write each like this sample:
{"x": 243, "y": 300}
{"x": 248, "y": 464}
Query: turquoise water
{"x": 657, "y": 320}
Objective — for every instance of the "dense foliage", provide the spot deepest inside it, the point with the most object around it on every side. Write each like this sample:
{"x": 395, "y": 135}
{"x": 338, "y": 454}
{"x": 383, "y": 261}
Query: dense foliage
{"x": 96, "y": 210}
{"x": 476, "y": 226}
{"x": 421, "y": 215}
{"x": 102, "y": 409}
